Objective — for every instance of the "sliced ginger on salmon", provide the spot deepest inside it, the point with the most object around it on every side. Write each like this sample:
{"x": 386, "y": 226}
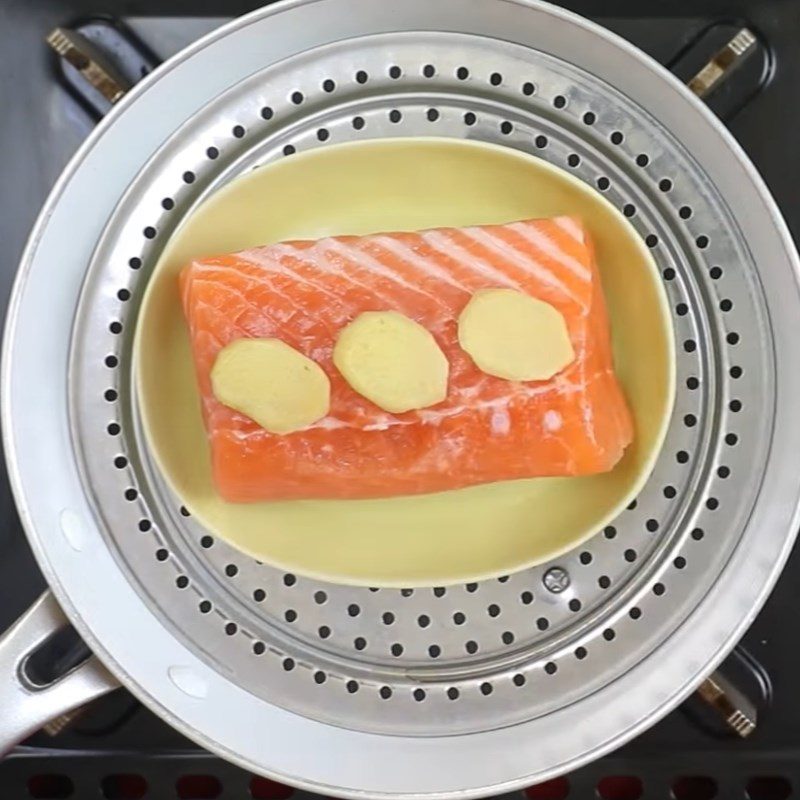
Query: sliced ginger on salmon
{"x": 271, "y": 383}
{"x": 511, "y": 335}
{"x": 392, "y": 361}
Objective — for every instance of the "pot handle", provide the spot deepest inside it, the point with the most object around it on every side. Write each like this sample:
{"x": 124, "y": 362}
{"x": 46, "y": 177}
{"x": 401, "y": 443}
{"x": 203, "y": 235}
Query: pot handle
{"x": 26, "y": 707}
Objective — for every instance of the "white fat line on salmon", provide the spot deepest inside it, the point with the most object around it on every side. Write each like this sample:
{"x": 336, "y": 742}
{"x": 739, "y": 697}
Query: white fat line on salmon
{"x": 544, "y": 243}
{"x": 250, "y": 281}
{"x": 224, "y": 321}
{"x": 572, "y": 228}
{"x": 269, "y": 323}
{"x": 552, "y": 422}
{"x": 315, "y": 260}
{"x": 186, "y": 293}
{"x": 205, "y": 342}
{"x": 435, "y": 417}
{"x": 442, "y": 244}
{"x": 407, "y": 254}
{"x": 371, "y": 264}
{"x": 621, "y": 419}
{"x": 523, "y": 261}
{"x": 586, "y": 409}
{"x": 326, "y": 424}
{"x": 273, "y": 267}
{"x": 267, "y": 261}
{"x": 329, "y": 424}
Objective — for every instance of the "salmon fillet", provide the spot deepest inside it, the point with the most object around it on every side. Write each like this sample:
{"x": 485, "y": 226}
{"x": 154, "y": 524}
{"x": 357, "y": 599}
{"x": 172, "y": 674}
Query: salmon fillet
{"x": 487, "y": 429}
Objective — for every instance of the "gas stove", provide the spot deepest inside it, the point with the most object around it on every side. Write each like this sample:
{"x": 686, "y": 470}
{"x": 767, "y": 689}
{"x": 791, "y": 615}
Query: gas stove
{"x": 118, "y": 749}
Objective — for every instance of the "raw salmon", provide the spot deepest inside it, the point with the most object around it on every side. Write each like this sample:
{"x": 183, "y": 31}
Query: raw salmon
{"x": 487, "y": 429}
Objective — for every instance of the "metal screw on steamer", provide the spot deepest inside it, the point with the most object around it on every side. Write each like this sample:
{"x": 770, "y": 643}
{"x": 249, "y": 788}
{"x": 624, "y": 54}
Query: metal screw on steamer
{"x": 556, "y": 579}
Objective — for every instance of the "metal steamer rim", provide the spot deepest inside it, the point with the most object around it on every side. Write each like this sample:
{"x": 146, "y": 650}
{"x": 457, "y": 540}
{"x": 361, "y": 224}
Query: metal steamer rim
{"x": 233, "y": 644}
{"x": 437, "y": 650}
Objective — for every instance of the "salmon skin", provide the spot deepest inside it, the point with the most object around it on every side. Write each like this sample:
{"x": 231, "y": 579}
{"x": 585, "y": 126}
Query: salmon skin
{"x": 486, "y": 430}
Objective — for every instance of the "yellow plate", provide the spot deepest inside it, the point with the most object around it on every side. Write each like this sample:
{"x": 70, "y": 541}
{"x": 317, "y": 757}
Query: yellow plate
{"x": 405, "y": 184}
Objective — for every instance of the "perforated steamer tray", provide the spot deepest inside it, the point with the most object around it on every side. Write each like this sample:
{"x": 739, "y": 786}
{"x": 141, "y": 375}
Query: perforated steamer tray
{"x": 360, "y": 692}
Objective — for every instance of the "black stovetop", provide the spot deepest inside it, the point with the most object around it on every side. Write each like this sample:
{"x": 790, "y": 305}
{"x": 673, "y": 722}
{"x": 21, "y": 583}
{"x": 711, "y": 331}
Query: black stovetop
{"x": 118, "y": 749}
